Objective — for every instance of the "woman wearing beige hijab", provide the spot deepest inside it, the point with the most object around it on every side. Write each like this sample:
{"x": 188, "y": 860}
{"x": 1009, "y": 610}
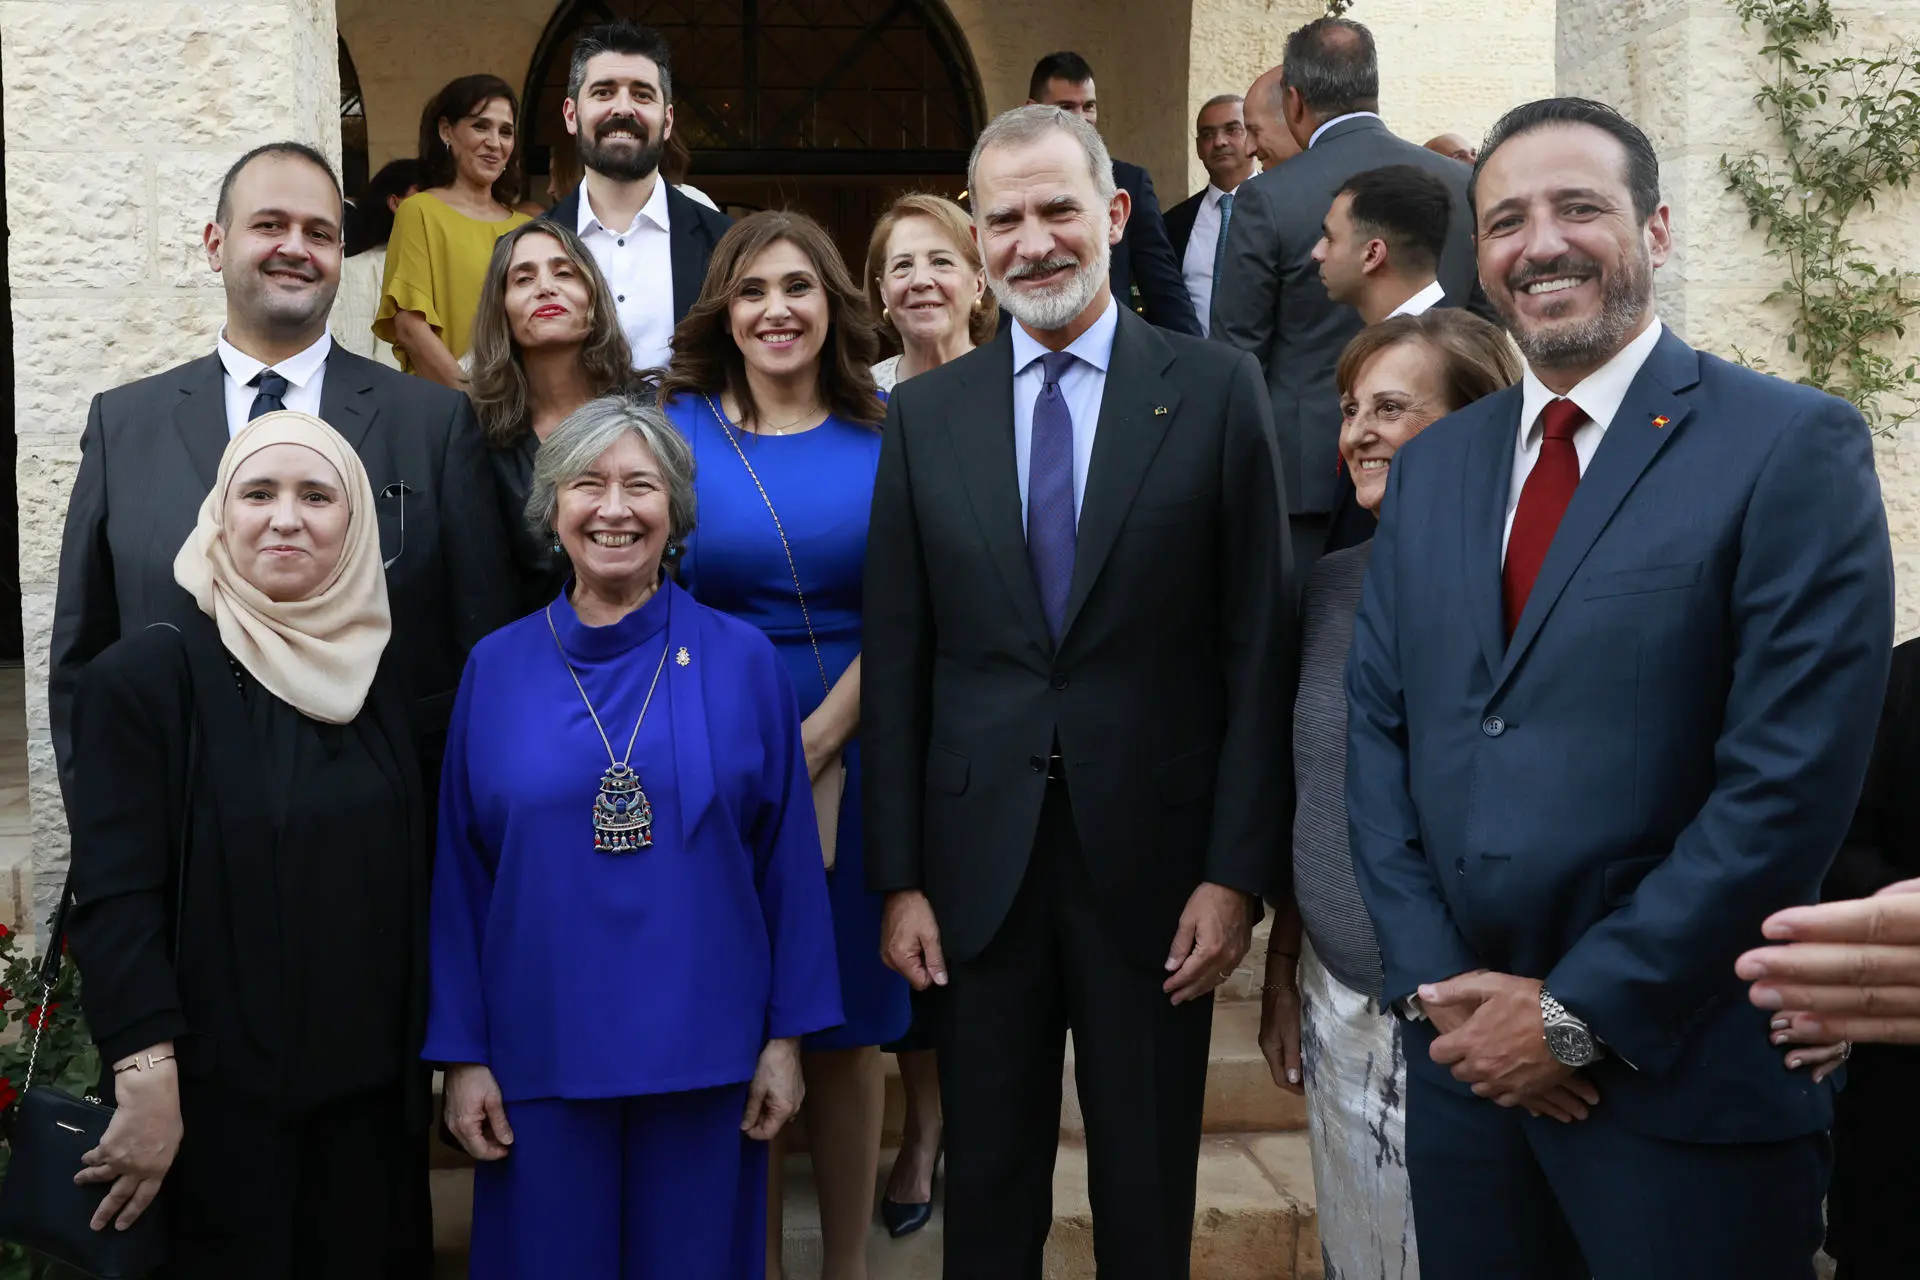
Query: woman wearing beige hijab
{"x": 249, "y": 875}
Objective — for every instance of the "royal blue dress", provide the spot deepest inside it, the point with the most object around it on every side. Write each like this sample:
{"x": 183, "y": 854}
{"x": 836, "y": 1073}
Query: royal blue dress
{"x": 821, "y": 483}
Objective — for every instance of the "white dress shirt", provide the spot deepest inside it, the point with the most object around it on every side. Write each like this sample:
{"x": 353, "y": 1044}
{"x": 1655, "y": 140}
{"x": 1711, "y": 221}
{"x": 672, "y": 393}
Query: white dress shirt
{"x": 638, "y": 264}
{"x": 1351, "y": 115}
{"x": 1598, "y": 394}
{"x": 1422, "y": 302}
{"x": 1084, "y": 382}
{"x": 304, "y": 374}
{"x": 1197, "y": 266}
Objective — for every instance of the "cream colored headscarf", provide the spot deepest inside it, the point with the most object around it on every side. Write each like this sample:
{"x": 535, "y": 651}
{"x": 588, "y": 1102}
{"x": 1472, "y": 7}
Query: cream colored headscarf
{"x": 318, "y": 655}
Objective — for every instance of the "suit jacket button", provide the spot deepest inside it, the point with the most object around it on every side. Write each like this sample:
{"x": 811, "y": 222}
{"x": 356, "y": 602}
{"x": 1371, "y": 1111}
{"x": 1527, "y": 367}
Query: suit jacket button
{"x": 1037, "y": 763}
{"x": 1493, "y": 726}
{"x": 1059, "y": 680}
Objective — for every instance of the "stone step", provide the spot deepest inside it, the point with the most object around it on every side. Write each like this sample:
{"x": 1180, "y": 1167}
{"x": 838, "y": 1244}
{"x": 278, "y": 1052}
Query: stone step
{"x": 1254, "y": 1218}
{"x": 1241, "y": 1097}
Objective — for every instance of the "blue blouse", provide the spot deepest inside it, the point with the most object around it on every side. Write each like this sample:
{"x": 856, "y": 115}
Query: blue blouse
{"x": 578, "y": 974}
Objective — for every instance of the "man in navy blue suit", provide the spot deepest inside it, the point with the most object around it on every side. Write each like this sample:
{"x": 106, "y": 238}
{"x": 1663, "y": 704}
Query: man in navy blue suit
{"x": 1614, "y": 682}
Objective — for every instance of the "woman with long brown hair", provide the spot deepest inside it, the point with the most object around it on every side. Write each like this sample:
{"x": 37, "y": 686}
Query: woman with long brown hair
{"x": 437, "y": 254}
{"x": 546, "y": 340}
{"x": 770, "y": 383}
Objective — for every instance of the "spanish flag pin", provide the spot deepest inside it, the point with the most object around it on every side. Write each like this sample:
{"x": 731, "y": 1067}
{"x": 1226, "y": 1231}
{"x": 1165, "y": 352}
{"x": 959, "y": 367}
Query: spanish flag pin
{"x": 1660, "y": 420}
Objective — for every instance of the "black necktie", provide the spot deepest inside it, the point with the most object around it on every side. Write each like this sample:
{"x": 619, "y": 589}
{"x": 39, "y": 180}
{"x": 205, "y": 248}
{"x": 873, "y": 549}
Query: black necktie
{"x": 272, "y": 388}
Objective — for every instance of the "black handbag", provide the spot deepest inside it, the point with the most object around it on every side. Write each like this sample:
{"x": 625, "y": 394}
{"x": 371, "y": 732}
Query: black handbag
{"x": 40, "y": 1206}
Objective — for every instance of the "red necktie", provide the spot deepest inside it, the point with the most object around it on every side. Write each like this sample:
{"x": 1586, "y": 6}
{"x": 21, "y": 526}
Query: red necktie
{"x": 1543, "y": 500}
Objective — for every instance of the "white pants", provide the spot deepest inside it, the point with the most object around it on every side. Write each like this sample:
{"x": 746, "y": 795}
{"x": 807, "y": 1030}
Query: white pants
{"x": 1356, "y": 1079}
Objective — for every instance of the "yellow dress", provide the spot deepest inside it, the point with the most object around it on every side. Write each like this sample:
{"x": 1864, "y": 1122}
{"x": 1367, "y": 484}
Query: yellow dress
{"x": 436, "y": 263}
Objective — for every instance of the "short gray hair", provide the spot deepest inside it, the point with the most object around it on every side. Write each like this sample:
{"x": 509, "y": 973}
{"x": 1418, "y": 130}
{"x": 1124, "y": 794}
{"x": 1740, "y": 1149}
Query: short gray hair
{"x": 1024, "y": 126}
{"x": 1332, "y": 64}
{"x": 590, "y": 431}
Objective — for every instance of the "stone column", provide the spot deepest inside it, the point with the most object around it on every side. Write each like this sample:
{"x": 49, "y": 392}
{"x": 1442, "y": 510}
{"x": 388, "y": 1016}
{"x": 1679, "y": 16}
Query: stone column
{"x": 121, "y": 117}
{"x": 1686, "y": 72}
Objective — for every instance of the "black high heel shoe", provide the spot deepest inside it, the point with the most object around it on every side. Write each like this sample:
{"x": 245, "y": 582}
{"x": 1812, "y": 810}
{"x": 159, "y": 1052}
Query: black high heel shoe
{"x": 905, "y": 1219}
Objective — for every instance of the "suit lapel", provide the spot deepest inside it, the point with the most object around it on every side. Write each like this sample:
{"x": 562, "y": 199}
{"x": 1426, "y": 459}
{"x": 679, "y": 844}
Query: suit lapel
{"x": 201, "y": 417}
{"x": 1631, "y": 444}
{"x": 1489, "y": 478}
{"x": 686, "y": 239}
{"x": 344, "y": 403}
{"x": 982, "y": 437}
{"x": 1136, "y": 409}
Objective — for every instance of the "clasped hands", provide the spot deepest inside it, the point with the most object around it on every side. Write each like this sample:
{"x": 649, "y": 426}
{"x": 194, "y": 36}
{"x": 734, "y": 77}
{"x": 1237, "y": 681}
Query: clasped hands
{"x": 1493, "y": 1036}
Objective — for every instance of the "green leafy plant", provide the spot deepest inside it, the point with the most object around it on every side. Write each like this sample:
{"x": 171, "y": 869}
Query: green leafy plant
{"x": 1850, "y": 125}
{"x": 67, "y": 1061}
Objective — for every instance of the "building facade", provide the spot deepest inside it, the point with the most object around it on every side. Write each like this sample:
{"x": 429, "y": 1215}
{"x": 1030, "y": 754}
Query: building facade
{"x": 121, "y": 115}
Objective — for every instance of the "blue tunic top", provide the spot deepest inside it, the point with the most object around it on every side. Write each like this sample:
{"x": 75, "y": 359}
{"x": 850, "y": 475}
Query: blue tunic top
{"x": 821, "y": 483}
{"x": 578, "y": 974}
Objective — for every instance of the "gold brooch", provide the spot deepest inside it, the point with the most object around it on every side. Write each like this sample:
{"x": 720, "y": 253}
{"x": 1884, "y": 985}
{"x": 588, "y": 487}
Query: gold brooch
{"x": 683, "y": 658}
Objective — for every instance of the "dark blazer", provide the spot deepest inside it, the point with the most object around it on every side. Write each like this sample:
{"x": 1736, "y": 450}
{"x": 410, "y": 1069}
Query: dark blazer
{"x": 1145, "y": 258}
{"x": 152, "y": 450}
{"x": 1179, "y": 221}
{"x": 1668, "y": 750}
{"x": 222, "y": 1004}
{"x": 1168, "y": 693}
{"x": 1271, "y": 302}
{"x": 693, "y": 231}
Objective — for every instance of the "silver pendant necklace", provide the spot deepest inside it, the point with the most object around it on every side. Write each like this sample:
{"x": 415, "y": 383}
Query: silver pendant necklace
{"x": 622, "y": 816}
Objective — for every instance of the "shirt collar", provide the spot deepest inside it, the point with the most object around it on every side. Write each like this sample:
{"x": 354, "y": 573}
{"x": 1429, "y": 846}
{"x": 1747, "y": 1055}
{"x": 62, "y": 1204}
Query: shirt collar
{"x": 1351, "y": 115}
{"x": 654, "y": 211}
{"x": 299, "y": 370}
{"x": 1600, "y": 393}
{"x": 1422, "y": 302}
{"x": 1095, "y": 346}
{"x": 1215, "y": 195}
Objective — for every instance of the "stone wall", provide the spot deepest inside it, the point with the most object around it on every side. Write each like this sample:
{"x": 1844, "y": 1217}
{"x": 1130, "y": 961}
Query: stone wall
{"x": 121, "y": 116}
{"x": 1686, "y": 72}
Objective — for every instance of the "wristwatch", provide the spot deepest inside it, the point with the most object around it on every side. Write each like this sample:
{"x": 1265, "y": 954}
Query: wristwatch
{"x": 1568, "y": 1038}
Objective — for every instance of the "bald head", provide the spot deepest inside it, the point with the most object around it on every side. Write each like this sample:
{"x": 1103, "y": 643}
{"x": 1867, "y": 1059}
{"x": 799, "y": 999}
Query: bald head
{"x": 1452, "y": 144}
{"x": 1267, "y": 133}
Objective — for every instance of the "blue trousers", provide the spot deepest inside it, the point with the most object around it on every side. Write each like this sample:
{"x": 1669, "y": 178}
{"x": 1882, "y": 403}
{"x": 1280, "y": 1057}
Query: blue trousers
{"x": 663, "y": 1187}
{"x": 1499, "y": 1195}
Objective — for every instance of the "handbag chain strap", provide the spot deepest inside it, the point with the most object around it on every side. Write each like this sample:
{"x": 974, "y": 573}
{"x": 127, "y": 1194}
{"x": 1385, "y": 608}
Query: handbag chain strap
{"x": 726, "y": 429}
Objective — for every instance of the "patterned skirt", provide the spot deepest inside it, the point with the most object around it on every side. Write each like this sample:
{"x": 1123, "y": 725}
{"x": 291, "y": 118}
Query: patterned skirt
{"x": 1356, "y": 1077}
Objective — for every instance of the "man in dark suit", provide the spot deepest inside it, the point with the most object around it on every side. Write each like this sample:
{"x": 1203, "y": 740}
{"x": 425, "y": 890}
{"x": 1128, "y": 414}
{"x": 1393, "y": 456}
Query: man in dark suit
{"x": 1271, "y": 301}
{"x": 1075, "y": 715}
{"x": 1144, "y": 258}
{"x": 641, "y": 231}
{"x": 1220, "y": 140}
{"x": 1614, "y": 680}
{"x": 152, "y": 450}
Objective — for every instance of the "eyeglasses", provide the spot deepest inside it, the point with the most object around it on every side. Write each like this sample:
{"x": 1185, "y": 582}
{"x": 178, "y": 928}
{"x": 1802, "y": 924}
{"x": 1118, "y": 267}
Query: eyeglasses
{"x": 1233, "y": 130}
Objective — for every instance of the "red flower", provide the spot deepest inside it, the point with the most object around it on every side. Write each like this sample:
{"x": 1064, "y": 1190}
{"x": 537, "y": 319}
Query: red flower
{"x": 7, "y": 1093}
{"x": 37, "y": 1016}
{"x": 6, "y": 997}
{"x": 5, "y": 932}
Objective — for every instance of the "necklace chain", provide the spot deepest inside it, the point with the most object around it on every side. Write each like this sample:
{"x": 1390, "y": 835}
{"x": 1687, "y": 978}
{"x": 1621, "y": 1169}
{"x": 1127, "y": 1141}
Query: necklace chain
{"x": 594, "y": 715}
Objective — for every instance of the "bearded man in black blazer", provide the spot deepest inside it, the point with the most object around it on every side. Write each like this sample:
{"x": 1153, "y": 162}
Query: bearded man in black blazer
{"x": 152, "y": 450}
{"x": 1075, "y": 713}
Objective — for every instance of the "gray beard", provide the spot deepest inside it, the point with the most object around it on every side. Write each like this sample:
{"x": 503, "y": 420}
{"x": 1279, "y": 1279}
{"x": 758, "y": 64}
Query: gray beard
{"x": 1056, "y": 307}
{"x": 1626, "y": 298}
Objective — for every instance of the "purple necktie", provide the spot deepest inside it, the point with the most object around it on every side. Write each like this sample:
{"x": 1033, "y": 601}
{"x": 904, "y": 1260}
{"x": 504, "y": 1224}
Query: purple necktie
{"x": 1052, "y": 528}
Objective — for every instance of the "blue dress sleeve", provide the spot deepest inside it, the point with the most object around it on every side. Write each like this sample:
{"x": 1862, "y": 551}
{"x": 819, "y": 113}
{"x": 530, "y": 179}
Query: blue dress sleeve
{"x": 791, "y": 875}
{"x": 462, "y": 895}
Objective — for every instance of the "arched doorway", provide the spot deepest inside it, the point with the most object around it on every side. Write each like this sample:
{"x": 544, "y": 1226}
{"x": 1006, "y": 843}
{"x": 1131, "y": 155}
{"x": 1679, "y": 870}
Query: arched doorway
{"x": 828, "y": 106}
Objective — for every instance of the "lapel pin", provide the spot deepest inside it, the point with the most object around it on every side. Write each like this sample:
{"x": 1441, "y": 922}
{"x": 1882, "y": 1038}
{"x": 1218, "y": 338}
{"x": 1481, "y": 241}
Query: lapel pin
{"x": 683, "y": 658}
{"x": 1660, "y": 420}
{"x": 1159, "y": 411}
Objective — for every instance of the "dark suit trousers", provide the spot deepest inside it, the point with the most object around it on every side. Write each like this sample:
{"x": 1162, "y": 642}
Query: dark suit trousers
{"x": 1141, "y": 1065}
{"x": 1500, "y": 1195}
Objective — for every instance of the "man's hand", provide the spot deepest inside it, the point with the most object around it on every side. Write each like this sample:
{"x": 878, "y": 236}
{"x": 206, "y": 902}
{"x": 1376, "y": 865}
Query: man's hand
{"x": 910, "y": 940}
{"x": 1452, "y": 1016}
{"x": 1502, "y": 1050}
{"x": 1215, "y": 931}
{"x": 1851, "y": 970}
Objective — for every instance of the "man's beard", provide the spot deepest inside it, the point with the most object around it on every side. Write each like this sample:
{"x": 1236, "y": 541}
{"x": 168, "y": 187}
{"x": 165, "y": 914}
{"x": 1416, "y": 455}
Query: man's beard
{"x": 622, "y": 159}
{"x": 1056, "y": 306}
{"x": 1624, "y": 298}
{"x": 277, "y": 312}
